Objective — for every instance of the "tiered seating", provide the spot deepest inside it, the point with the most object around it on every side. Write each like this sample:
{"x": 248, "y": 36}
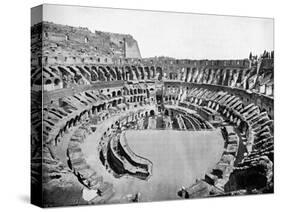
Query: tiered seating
{"x": 251, "y": 123}
{"x": 93, "y": 107}
{"x": 86, "y": 175}
{"x": 118, "y": 155}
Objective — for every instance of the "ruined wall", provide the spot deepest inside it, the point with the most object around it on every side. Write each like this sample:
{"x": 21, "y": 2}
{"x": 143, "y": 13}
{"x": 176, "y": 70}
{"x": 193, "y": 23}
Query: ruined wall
{"x": 127, "y": 45}
{"x": 132, "y": 49}
{"x": 67, "y": 44}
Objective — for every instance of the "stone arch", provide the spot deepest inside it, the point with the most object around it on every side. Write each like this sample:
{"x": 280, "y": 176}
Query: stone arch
{"x": 111, "y": 72}
{"x": 57, "y": 81}
{"x": 136, "y": 73}
{"x": 147, "y": 93}
{"x": 48, "y": 82}
{"x": 207, "y": 75}
{"x": 142, "y": 76}
{"x": 147, "y": 72}
{"x": 123, "y": 73}
{"x": 84, "y": 72}
{"x": 105, "y": 72}
{"x": 126, "y": 91}
{"x": 187, "y": 73}
{"x": 159, "y": 73}
{"x": 225, "y": 77}
{"x": 118, "y": 74}
{"x": 232, "y": 73}
{"x": 219, "y": 76}
{"x": 152, "y": 71}
{"x": 94, "y": 73}
{"x": 202, "y": 75}
{"x": 212, "y": 76}
{"x": 193, "y": 75}
{"x": 114, "y": 103}
{"x": 239, "y": 76}
{"x": 129, "y": 73}
{"x": 101, "y": 76}
{"x": 65, "y": 73}
{"x": 73, "y": 72}
{"x": 113, "y": 93}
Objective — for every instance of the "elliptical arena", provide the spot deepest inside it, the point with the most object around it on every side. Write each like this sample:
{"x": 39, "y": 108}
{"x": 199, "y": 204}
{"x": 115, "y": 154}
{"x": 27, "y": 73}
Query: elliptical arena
{"x": 116, "y": 127}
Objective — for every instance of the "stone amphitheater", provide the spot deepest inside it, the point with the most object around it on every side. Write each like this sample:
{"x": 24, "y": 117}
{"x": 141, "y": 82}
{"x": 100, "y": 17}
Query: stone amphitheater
{"x": 109, "y": 126}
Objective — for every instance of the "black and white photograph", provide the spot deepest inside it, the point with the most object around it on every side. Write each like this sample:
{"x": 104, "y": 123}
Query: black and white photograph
{"x": 140, "y": 106}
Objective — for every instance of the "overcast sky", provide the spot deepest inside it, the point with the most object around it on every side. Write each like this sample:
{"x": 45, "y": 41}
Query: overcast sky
{"x": 177, "y": 35}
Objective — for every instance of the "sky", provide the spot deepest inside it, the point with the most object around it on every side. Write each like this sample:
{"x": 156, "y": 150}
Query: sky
{"x": 178, "y": 35}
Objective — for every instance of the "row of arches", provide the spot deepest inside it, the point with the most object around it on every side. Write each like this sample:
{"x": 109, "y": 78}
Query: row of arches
{"x": 95, "y": 110}
{"x": 126, "y": 91}
{"x": 235, "y": 77}
{"x": 89, "y": 74}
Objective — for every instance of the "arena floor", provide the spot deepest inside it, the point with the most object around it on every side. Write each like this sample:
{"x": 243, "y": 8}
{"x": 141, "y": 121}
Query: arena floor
{"x": 178, "y": 157}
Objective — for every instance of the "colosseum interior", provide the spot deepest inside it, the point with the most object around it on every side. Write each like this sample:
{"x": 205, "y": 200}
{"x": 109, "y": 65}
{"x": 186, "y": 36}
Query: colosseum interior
{"x": 109, "y": 126}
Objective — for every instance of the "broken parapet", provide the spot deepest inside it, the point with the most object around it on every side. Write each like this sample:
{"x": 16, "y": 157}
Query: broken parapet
{"x": 79, "y": 42}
